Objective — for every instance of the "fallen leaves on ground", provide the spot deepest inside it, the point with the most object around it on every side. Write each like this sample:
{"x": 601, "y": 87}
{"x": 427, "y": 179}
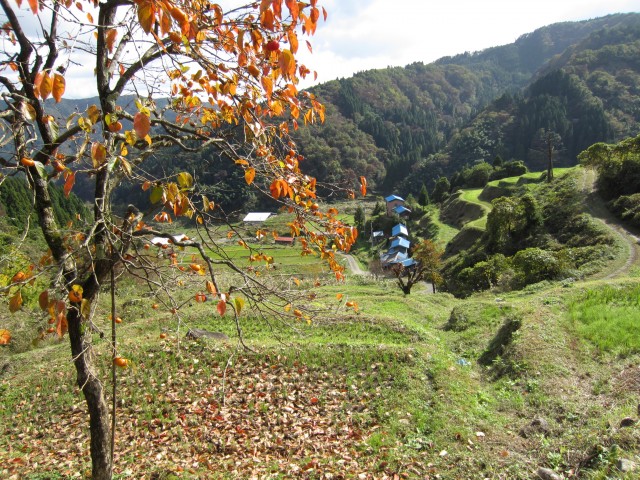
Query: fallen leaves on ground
{"x": 258, "y": 417}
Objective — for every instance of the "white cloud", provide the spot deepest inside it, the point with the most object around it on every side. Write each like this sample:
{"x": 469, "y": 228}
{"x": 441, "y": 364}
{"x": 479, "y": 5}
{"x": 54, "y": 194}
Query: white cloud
{"x": 360, "y": 34}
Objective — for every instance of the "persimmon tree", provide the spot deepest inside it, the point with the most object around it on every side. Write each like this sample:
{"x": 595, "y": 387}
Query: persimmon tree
{"x": 183, "y": 74}
{"x": 428, "y": 262}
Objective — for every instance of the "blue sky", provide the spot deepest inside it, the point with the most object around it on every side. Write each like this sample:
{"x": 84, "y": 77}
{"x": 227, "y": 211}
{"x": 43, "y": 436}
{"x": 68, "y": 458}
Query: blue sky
{"x": 365, "y": 34}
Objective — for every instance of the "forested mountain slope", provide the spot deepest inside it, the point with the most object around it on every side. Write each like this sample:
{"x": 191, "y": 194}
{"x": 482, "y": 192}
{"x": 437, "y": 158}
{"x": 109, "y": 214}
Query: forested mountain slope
{"x": 406, "y": 126}
{"x": 403, "y": 127}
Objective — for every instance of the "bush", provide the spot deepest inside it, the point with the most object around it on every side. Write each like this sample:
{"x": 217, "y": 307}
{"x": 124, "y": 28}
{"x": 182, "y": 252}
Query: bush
{"x": 535, "y": 265}
{"x": 515, "y": 168}
{"x": 627, "y": 208}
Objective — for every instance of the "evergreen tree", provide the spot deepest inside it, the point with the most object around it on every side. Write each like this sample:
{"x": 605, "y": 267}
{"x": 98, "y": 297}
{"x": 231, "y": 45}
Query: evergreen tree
{"x": 441, "y": 190}
{"x": 423, "y": 197}
{"x": 359, "y": 218}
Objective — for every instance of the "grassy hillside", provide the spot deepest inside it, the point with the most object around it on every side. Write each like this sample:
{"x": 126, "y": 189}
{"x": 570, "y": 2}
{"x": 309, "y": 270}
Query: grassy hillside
{"x": 495, "y": 385}
{"x": 489, "y": 387}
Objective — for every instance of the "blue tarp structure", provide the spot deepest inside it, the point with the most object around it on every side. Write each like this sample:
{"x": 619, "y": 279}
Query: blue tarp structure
{"x": 399, "y": 229}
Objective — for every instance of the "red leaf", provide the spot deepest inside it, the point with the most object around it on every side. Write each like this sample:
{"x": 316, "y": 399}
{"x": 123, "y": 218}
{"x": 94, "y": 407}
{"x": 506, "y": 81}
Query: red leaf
{"x": 62, "y": 326}
{"x": 34, "y": 6}
{"x": 69, "y": 180}
{"x": 222, "y": 307}
{"x": 15, "y": 302}
{"x": 141, "y": 124}
{"x": 110, "y": 38}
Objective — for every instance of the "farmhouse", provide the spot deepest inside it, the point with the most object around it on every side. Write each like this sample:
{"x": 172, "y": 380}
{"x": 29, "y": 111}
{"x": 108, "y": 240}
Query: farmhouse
{"x": 256, "y": 217}
{"x": 289, "y": 241}
{"x": 393, "y": 201}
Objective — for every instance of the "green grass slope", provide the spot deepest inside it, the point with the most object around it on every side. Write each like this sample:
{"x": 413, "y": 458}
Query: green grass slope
{"x": 495, "y": 385}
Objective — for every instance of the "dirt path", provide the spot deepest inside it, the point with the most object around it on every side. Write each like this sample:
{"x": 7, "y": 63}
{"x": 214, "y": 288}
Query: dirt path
{"x": 354, "y": 266}
{"x": 595, "y": 206}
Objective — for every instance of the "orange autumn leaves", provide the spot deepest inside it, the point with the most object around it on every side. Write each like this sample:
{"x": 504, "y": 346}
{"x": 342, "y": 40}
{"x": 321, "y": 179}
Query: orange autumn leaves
{"x": 46, "y": 84}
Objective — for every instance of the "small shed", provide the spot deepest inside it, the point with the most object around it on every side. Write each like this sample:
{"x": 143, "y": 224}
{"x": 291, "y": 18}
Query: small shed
{"x": 256, "y": 217}
{"x": 289, "y": 241}
{"x": 377, "y": 237}
{"x": 393, "y": 201}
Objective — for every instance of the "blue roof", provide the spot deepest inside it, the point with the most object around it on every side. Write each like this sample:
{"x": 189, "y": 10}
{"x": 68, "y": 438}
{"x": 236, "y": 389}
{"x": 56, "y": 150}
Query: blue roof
{"x": 399, "y": 229}
{"x": 391, "y": 198}
{"x": 400, "y": 242}
{"x": 401, "y": 209}
{"x": 409, "y": 262}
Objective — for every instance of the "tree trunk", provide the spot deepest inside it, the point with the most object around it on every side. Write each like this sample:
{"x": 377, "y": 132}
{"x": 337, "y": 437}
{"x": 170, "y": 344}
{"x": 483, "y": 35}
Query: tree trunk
{"x": 99, "y": 424}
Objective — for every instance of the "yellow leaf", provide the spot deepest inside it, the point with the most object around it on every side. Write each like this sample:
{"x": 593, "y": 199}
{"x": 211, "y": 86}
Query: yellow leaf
{"x": 249, "y": 175}
{"x": 239, "y": 304}
{"x": 94, "y": 113}
{"x": 185, "y": 180}
{"x": 85, "y": 308}
{"x": 5, "y": 337}
{"x": 287, "y": 63}
{"x": 98, "y": 154}
{"x": 267, "y": 84}
{"x": 130, "y": 137}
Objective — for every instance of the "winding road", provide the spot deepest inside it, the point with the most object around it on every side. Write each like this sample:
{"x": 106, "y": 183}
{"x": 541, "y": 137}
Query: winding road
{"x": 595, "y": 206}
